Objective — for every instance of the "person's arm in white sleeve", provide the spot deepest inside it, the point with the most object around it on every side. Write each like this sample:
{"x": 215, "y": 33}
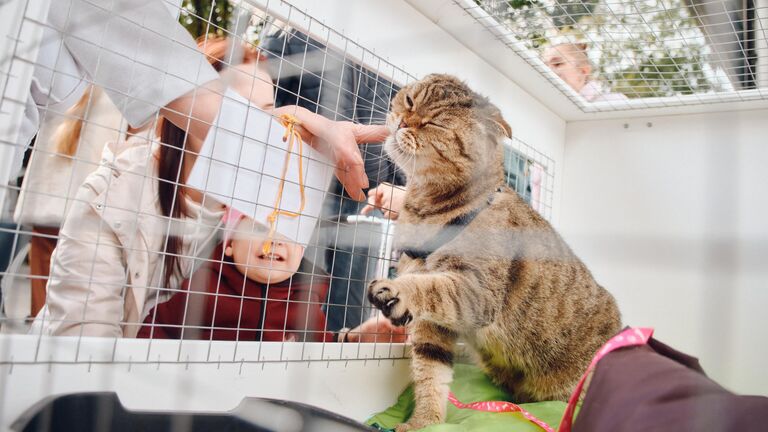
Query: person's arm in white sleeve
{"x": 146, "y": 61}
{"x": 135, "y": 50}
{"x": 57, "y": 81}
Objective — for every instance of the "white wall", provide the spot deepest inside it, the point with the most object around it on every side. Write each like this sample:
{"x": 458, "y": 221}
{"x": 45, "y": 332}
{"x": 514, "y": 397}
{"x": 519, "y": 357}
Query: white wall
{"x": 671, "y": 215}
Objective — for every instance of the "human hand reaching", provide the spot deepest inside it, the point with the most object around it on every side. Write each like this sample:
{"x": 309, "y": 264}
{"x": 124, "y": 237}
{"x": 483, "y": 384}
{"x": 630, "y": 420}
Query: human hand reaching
{"x": 339, "y": 140}
{"x": 386, "y": 197}
{"x": 377, "y": 329}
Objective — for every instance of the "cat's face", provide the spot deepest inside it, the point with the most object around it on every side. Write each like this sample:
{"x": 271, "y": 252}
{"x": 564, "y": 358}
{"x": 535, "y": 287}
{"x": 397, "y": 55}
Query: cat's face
{"x": 438, "y": 124}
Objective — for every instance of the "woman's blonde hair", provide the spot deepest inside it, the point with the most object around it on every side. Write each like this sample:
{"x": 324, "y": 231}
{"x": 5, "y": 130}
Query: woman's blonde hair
{"x": 67, "y": 135}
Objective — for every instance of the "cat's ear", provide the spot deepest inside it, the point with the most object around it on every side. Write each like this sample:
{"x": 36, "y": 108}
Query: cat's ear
{"x": 499, "y": 120}
{"x": 491, "y": 112}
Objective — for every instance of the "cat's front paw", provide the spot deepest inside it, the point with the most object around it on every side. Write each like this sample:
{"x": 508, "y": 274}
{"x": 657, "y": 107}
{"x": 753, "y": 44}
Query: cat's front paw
{"x": 385, "y": 296}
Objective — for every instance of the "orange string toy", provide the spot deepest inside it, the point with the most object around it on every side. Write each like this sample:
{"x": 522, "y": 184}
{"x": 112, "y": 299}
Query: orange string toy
{"x": 292, "y": 136}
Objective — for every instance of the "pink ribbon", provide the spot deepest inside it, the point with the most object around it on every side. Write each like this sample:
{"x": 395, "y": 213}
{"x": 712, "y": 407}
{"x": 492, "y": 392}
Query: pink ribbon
{"x": 499, "y": 406}
{"x": 630, "y": 337}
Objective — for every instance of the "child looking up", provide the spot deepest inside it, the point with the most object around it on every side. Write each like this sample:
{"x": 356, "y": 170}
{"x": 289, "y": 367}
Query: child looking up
{"x": 246, "y": 293}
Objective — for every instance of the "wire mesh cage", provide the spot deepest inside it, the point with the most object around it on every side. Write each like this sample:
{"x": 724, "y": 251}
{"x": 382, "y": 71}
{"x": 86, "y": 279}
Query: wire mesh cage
{"x": 108, "y": 245}
{"x": 305, "y": 72}
{"x": 177, "y": 227}
{"x": 620, "y": 54}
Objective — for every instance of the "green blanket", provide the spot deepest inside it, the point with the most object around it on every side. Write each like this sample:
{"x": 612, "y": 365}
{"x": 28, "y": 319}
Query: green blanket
{"x": 471, "y": 385}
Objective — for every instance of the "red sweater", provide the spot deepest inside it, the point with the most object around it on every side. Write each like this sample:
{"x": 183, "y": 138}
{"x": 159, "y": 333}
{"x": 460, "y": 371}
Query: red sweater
{"x": 218, "y": 300}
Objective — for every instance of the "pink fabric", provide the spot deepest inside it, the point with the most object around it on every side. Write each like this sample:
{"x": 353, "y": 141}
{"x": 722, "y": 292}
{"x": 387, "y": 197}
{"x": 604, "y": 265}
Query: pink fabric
{"x": 499, "y": 406}
{"x": 536, "y": 178}
{"x": 630, "y": 337}
{"x": 230, "y": 219}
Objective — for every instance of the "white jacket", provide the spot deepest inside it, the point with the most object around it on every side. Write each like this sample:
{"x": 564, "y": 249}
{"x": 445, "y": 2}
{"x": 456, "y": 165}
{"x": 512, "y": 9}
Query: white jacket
{"x": 107, "y": 269}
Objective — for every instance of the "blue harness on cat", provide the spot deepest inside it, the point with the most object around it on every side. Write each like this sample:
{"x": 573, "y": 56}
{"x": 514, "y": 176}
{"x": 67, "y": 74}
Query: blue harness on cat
{"x": 448, "y": 233}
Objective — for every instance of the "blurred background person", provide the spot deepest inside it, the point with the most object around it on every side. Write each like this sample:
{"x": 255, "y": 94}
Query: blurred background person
{"x": 571, "y": 63}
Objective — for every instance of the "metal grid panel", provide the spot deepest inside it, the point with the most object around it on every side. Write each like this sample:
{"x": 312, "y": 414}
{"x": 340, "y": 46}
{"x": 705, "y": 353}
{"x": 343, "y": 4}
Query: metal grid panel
{"x": 300, "y": 55}
{"x": 619, "y": 55}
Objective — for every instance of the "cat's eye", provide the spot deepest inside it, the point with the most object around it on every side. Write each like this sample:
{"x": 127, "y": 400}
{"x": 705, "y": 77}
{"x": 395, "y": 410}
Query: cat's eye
{"x": 408, "y": 102}
{"x": 437, "y": 125}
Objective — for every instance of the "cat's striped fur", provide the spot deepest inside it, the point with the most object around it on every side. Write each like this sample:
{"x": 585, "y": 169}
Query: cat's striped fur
{"x": 507, "y": 283}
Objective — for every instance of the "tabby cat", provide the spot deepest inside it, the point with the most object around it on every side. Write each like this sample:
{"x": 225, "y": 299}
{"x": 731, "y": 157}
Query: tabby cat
{"x": 479, "y": 263}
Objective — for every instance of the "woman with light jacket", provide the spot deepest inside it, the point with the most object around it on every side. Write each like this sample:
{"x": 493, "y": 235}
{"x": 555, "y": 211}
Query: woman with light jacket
{"x": 118, "y": 248}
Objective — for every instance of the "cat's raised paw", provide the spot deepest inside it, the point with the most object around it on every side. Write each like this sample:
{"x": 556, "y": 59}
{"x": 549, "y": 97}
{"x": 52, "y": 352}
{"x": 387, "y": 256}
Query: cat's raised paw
{"x": 384, "y": 295}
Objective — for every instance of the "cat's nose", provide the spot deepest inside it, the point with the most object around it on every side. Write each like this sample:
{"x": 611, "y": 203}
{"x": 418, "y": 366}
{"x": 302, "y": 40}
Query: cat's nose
{"x": 402, "y": 124}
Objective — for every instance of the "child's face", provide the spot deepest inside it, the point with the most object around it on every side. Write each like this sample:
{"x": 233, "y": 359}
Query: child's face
{"x": 567, "y": 66}
{"x": 246, "y": 250}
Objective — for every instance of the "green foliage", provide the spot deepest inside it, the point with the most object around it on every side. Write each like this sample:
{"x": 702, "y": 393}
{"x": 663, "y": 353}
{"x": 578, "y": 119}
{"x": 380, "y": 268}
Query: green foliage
{"x": 567, "y": 13}
{"x": 201, "y": 17}
{"x": 664, "y": 75}
{"x": 519, "y": 4}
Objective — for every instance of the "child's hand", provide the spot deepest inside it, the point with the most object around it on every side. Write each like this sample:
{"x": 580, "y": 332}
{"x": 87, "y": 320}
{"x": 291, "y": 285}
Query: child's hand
{"x": 386, "y": 197}
{"x": 377, "y": 329}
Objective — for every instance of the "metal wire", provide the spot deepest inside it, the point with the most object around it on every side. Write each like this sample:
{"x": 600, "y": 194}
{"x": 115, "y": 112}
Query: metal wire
{"x": 640, "y": 54}
{"x": 354, "y": 84}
